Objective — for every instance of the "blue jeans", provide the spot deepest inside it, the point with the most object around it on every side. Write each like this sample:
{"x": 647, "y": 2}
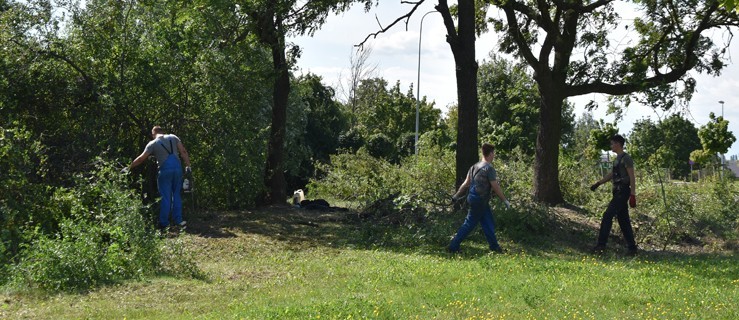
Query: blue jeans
{"x": 479, "y": 212}
{"x": 170, "y": 183}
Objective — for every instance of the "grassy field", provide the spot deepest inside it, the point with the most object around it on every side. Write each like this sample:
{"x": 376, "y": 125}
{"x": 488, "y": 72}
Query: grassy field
{"x": 284, "y": 263}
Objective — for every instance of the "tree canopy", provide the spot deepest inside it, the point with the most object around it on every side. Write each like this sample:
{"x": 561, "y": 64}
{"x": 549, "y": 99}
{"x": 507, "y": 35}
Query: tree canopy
{"x": 715, "y": 136}
{"x": 567, "y": 45}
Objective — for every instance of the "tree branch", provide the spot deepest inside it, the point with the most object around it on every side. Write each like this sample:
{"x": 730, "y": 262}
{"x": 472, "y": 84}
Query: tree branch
{"x": 551, "y": 27}
{"x": 659, "y": 78}
{"x": 406, "y": 16}
{"x": 515, "y": 31}
{"x": 451, "y": 32}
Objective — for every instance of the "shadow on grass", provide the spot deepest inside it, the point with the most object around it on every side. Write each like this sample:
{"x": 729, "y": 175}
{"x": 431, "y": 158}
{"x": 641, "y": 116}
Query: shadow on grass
{"x": 569, "y": 234}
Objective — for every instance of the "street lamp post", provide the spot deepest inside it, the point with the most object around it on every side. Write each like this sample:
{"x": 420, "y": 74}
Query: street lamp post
{"x": 418, "y": 82}
{"x": 721, "y": 155}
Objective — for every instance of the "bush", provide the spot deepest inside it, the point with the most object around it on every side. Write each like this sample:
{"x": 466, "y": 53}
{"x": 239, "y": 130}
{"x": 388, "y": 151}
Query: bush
{"x": 421, "y": 186}
{"x": 359, "y": 178}
{"x": 575, "y": 177}
{"x": 23, "y": 199}
{"x": 102, "y": 237}
{"x": 670, "y": 212}
{"x": 525, "y": 222}
{"x": 380, "y": 146}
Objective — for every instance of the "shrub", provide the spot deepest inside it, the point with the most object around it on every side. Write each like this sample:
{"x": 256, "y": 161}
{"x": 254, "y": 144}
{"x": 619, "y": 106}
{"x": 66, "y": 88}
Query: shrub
{"x": 380, "y": 146}
{"x": 102, "y": 237}
{"x": 359, "y": 178}
{"x": 525, "y": 221}
{"x": 575, "y": 177}
{"x": 418, "y": 184}
{"x": 23, "y": 199}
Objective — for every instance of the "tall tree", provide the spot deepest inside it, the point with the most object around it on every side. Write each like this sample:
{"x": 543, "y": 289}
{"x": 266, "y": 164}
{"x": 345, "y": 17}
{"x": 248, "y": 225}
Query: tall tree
{"x": 671, "y": 41}
{"x": 666, "y": 144}
{"x": 389, "y": 111}
{"x": 715, "y": 135}
{"x": 509, "y": 106}
{"x": 315, "y": 122}
{"x": 272, "y": 21}
{"x": 577, "y": 144}
{"x": 461, "y": 38}
{"x": 359, "y": 69}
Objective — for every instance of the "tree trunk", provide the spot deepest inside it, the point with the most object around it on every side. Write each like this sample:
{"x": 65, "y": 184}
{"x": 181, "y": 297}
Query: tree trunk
{"x": 467, "y": 144}
{"x": 462, "y": 42}
{"x": 546, "y": 167}
{"x": 274, "y": 174}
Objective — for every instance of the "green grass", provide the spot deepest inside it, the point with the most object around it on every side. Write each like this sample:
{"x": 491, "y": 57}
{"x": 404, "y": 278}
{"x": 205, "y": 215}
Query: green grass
{"x": 286, "y": 264}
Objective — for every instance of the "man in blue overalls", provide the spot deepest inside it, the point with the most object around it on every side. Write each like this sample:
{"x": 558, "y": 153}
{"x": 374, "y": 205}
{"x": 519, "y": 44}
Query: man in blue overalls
{"x": 167, "y": 148}
{"x": 624, "y": 191}
{"x": 481, "y": 182}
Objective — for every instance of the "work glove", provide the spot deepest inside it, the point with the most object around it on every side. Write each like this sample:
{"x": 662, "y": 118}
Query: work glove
{"x": 632, "y": 201}
{"x": 507, "y": 204}
{"x": 594, "y": 186}
{"x": 455, "y": 198}
{"x": 125, "y": 170}
{"x": 188, "y": 170}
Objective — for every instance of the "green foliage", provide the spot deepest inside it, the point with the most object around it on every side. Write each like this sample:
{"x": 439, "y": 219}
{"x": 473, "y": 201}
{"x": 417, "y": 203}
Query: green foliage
{"x": 730, "y": 4}
{"x": 359, "y": 178}
{"x": 644, "y": 140}
{"x": 101, "y": 237}
{"x": 715, "y": 136}
{"x": 721, "y": 214}
{"x": 576, "y": 175}
{"x": 24, "y": 200}
{"x": 577, "y": 142}
{"x": 315, "y": 122}
{"x": 600, "y": 139}
{"x": 351, "y": 140}
{"x": 681, "y": 137}
{"x": 423, "y": 181}
{"x": 667, "y": 144}
{"x": 86, "y": 236}
{"x": 379, "y": 145}
{"x": 509, "y": 106}
{"x": 388, "y": 111}
{"x": 688, "y": 213}
{"x": 701, "y": 157}
{"x": 406, "y": 145}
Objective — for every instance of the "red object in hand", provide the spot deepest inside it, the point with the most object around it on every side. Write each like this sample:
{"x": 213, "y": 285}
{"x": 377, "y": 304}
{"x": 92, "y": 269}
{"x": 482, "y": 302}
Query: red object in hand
{"x": 632, "y": 201}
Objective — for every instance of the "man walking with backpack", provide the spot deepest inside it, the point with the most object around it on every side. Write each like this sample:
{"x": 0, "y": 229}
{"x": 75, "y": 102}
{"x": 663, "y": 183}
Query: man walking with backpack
{"x": 481, "y": 180}
{"x": 167, "y": 148}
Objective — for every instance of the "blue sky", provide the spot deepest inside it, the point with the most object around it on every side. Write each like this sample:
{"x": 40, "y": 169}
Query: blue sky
{"x": 395, "y": 54}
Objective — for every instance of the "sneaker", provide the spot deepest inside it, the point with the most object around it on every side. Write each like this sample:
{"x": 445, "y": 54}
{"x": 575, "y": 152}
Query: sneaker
{"x": 182, "y": 226}
{"x": 599, "y": 249}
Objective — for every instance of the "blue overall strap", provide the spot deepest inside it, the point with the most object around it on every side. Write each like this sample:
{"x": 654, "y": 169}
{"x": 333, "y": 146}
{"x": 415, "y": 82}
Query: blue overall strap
{"x": 170, "y": 147}
{"x": 473, "y": 184}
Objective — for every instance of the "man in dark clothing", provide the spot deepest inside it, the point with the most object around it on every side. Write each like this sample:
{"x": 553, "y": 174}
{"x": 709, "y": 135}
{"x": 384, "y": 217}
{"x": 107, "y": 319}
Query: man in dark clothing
{"x": 624, "y": 191}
